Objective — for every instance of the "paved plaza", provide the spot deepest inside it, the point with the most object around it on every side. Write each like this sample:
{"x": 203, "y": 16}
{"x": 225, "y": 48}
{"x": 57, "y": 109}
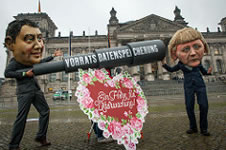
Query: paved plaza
{"x": 164, "y": 127}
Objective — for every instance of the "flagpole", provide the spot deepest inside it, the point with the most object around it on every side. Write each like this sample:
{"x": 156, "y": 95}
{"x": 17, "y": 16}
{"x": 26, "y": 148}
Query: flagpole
{"x": 89, "y": 38}
{"x": 69, "y": 80}
{"x": 109, "y": 46}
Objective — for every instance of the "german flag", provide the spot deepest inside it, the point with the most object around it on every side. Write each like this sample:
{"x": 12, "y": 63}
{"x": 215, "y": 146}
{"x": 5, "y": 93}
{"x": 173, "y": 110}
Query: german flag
{"x": 39, "y": 6}
{"x": 109, "y": 40}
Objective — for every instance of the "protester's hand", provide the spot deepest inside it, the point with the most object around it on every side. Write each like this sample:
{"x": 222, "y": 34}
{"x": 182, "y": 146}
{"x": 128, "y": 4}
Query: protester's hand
{"x": 209, "y": 70}
{"x": 58, "y": 52}
{"x": 29, "y": 73}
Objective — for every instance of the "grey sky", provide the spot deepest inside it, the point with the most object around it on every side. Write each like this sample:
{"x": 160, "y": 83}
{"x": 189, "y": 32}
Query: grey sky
{"x": 91, "y": 15}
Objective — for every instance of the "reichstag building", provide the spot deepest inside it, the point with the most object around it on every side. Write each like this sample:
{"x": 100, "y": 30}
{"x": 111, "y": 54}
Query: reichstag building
{"x": 151, "y": 27}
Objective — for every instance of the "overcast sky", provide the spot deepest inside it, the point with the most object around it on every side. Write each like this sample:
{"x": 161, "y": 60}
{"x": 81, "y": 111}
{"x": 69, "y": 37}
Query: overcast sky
{"x": 91, "y": 15}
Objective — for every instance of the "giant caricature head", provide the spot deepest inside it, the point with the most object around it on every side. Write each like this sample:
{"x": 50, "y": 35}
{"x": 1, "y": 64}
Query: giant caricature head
{"x": 188, "y": 45}
{"x": 24, "y": 39}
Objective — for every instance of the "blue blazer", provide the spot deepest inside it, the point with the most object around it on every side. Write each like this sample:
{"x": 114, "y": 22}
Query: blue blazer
{"x": 192, "y": 76}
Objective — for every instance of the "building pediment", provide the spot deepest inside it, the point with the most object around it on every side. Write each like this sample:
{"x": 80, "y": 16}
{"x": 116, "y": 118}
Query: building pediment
{"x": 149, "y": 24}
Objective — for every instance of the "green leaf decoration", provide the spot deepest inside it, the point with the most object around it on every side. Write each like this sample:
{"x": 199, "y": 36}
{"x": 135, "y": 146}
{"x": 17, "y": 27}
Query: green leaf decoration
{"x": 124, "y": 122}
{"x": 106, "y": 125}
{"x": 103, "y": 117}
{"x": 90, "y": 115}
{"x": 94, "y": 79}
{"x": 109, "y": 118}
{"x": 138, "y": 115}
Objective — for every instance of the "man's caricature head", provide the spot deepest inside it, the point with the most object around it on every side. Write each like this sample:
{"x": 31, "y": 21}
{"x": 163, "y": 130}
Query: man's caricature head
{"x": 188, "y": 45}
{"x": 24, "y": 39}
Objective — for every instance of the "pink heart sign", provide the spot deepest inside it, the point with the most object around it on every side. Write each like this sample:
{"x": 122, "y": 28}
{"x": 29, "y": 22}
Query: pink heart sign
{"x": 118, "y": 105}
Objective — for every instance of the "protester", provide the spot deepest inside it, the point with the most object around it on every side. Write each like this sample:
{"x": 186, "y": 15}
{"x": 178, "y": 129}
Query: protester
{"x": 98, "y": 132}
{"x": 189, "y": 46}
{"x": 118, "y": 71}
{"x": 24, "y": 39}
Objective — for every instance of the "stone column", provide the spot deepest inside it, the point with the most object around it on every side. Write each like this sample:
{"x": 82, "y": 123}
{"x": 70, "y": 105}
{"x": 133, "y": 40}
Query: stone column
{"x": 43, "y": 79}
{"x": 224, "y": 58}
{"x": 134, "y": 73}
{"x": 59, "y": 74}
{"x": 213, "y": 62}
{"x": 162, "y": 73}
{"x": 165, "y": 74}
{"x": 148, "y": 72}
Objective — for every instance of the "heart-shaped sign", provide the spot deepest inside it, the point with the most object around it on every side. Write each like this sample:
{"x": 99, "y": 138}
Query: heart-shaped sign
{"x": 118, "y": 105}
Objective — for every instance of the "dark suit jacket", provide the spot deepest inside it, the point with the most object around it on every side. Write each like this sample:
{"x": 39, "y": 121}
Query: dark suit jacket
{"x": 24, "y": 84}
{"x": 192, "y": 77}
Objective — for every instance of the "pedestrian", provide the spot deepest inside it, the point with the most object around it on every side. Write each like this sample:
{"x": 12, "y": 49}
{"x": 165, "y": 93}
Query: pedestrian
{"x": 118, "y": 71}
{"x": 188, "y": 45}
{"x": 98, "y": 132}
{"x": 24, "y": 39}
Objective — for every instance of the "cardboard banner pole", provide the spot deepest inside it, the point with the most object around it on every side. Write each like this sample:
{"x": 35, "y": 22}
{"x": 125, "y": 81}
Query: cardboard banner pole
{"x": 132, "y": 54}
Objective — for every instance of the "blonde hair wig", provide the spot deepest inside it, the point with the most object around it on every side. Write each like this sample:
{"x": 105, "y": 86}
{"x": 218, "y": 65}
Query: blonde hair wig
{"x": 185, "y": 35}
